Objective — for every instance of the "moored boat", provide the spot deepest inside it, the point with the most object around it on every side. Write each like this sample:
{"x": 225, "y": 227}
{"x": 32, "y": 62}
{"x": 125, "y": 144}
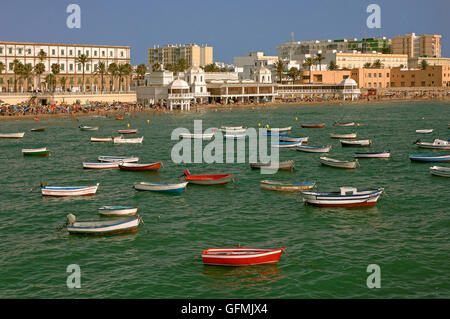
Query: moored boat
{"x": 425, "y": 131}
{"x": 241, "y": 131}
{"x": 429, "y": 158}
{"x": 35, "y": 151}
{"x": 118, "y": 210}
{"x": 314, "y": 149}
{"x": 160, "y": 187}
{"x": 286, "y": 144}
{"x": 440, "y": 171}
{"x": 12, "y": 135}
{"x": 343, "y": 136}
{"x": 385, "y": 154}
{"x": 235, "y": 136}
{"x": 294, "y": 139}
{"x": 313, "y": 125}
{"x": 118, "y": 159}
{"x": 105, "y": 139}
{"x": 279, "y": 129}
{"x": 88, "y": 128}
{"x": 241, "y": 256}
{"x": 61, "y": 191}
{"x": 103, "y": 227}
{"x": 346, "y": 197}
{"x": 344, "y": 123}
{"x": 130, "y": 131}
{"x": 140, "y": 167}
{"x": 39, "y": 129}
{"x": 284, "y": 165}
{"x": 204, "y": 136}
{"x": 337, "y": 163}
{"x": 216, "y": 179}
{"x": 100, "y": 165}
{"x": 356, "y": 143}
{"x": 121, "y": 140}
{"x": 276, "y": 133}
{"x": 436, "y": 144}
{"x": 286, "y": 187}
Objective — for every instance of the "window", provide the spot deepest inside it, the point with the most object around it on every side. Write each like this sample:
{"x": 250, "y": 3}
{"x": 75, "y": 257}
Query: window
{"x": 62, "y": 52}
{"x": 29, "y": 51}
{"x": 71, "y": 67}
{"x": 379, "y": 75}
{"x": 10, "y": 50}
{"x": 70, "y": 52}
{"x": 79, "y": 67}
{"x": 20, "y": 50}
{"x": 103, "y": 53}
{"x": 374, "y": 75}
{"x": 369, "y": 75}
{"x": 95, "y": 53}
{"x": 387, "y": 74}
{"x": 110, "y": 53}
{"x": 1, "y": 50}
{"x": 79, "y": 52}
{"x": 87, "y": 67}
{"x": 10, "y": 66}
{"x": 62, "y": 67}
{"x": 53, "y": 51}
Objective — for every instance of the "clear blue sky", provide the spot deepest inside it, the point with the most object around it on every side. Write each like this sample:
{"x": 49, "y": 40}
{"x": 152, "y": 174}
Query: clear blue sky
{"x": 232, "y": 27}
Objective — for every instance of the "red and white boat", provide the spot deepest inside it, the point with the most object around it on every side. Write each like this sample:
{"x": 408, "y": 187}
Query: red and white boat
{"x": 132, "y": 131}
{"x": 140, "y": 167}
{"x": 60, "y": 191}
{"x": 241, "y": 256}
{"x": 313, "y": 125}
{"x": 208, "y": 179}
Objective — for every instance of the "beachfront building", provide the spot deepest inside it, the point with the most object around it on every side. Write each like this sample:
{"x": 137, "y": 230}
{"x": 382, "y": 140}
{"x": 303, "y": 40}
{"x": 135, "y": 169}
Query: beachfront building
{"x": 193, "y": 54}
{"x": 360, "y": 60}
{"x": 372, "y": 78}
{"x": 242, "y": 91}
{"x": 324, "y": 77}
{"x": 417, "y": 45}
{"x": 252, "y": 61}
{"x": 431, "y": 76}
{"x": 416, "y": 63}
{"x": 70, "y": 74}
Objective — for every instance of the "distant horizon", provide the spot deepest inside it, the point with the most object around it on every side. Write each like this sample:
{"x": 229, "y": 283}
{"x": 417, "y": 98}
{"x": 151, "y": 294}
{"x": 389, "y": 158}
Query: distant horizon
{"x": 233, "y": 29}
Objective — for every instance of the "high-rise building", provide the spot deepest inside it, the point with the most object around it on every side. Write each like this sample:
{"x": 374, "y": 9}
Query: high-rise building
{"x": 171, "y": 54}
{"x": 417, "y": 45}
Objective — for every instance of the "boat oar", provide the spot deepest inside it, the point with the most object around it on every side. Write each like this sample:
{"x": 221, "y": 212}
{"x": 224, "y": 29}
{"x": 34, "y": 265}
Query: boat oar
{"x": 143, "y": 224}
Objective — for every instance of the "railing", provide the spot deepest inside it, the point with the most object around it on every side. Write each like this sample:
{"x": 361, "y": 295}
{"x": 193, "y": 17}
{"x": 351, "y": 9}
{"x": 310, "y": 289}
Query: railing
{"x": 181, "y": 96}
{"x": 62, "y": 93}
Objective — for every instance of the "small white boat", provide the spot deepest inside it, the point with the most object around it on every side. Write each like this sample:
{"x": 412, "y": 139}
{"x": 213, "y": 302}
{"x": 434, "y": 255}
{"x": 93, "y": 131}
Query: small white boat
{"x": 314, "y": 149}
{"x": 294, "y": 139}
{"x": 241, "y": 131}
{"x": 337, "y": 163}
{"x": 385, "y": 154}
{"x": 128, "y": 131}
{"x": 279, "y": 129}
{"x": 88, "y": 128}
{"x": 344, "y": 123}
{"x": 286, "y": 187}
{"x": 231, "y": 127}
{"x": 105, "y": 139}
{"x": 346, "y": 197}
{"x": 286, "y": 144}
{"x": 235, "y": 136}
{"x": 61, "y": 191}
{"x": 12, "y": 135}
{"x": 100, "y": 165}
{"x": 343, "y": 136}
{"x": 285, "y": 165}
{"x": 437, "y": 144}
{"x": 137, "y": 140}
{"x": 161, "y": 187}
{"x": 35, "y": 151}
{"x": 103, "y": 227}
{"x": 440, "y": 171}
{"x": 118, "y": 210}
{"x": 197, "y": 136}
{"x": 426, "y": 131}
{"x": 356, "y": 143}
{"x": 118, "y": 159}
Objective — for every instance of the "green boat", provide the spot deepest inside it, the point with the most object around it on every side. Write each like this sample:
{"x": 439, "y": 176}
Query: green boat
{"x": 36, "y": 152}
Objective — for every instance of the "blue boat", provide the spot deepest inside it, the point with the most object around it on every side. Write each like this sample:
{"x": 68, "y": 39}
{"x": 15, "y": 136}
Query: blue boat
{"x": 430, "y": 158}
{"x": 286, "y": 144}
{"x": 276, "y": 133}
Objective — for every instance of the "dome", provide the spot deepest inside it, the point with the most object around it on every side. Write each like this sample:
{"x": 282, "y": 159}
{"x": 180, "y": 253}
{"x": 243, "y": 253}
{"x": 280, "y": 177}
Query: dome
{"x": 195, "y": 69}
{"x": 349, "y": 82}
{"x": 179, "y": 85}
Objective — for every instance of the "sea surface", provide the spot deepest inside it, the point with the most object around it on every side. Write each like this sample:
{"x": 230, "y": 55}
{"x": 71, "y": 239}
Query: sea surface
{"x": 328, "y": 249}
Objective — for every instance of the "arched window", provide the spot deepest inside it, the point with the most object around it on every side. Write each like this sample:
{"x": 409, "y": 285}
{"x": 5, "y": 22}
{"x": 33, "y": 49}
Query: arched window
{"x": 195, "y": 78}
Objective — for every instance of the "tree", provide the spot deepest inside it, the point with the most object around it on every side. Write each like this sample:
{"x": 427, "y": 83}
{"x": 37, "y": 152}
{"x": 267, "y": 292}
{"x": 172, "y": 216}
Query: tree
{"x": 156, "y": 67}
{"x": 377, "y": 64}
{"x": 56, "y": 69}
{"x": 279, "y": 67}
{"x": 82, "y": 59}
{"x": 113, "y": 71}
{"x": 100, "y": 69}
{"x": 17, "y": 68}
{"x": 125, "y": 70}
{"x": 170, "y": 67}
{"x": 367, "y": 65}
{"x": 50, "y": 79}
{"x": 27, "y": 73}
{"x": 423, "y": 64}
{"x": 39, "y": 69}
{"x": 211, "y": 68}
{"x": 309, "y": 62}
{"x": 293, "y": 73}
{"x": 318, "y": 59}
{"x": 182, "y": 65}
{"x": 332, "y": 66}
{"x": 63, "y": 81}
{"x": 141, "y": 69}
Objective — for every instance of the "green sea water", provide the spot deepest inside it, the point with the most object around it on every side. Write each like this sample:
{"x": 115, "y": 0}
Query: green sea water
{"x": 329, "y": 249}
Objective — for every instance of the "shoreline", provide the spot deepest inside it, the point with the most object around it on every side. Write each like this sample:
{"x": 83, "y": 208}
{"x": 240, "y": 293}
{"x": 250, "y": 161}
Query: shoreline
{"x": 221, "y": 107}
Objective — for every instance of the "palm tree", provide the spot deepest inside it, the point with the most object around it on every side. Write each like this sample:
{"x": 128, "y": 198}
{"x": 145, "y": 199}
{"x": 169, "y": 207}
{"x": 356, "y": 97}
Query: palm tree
{"x": 181, "y": 65}
{"x": 63, "y": 81}
{"x": 2, "y": 69}
{"x": 319, "y": 58}
{"x": 423, "y": 64}
{"x": 141, "y": 69}
{"x": 38, "y": 70}
{"x": 367, "y": 65}
{"x": 377, "y": 64}
{"x": 82, "y": 59}
{"x": 293, "y": 73}
{"x": 156, "y": 67}
{"x": 56, "y": 69}
{"x": 42, "y": 55}
{"x": 17, "y": 68}
{"x": 332, "y": 66}
{"x": 125, "y": 70}
{"x": 113, "y": 71}
{"x": 211, "y": 68}
{"x": 50, "y": 80}
{"x": 27, "y": 72}
{"x": 309, "y": 62}
{"x": 279, "y": 67}
{"x": 100, "y": 69}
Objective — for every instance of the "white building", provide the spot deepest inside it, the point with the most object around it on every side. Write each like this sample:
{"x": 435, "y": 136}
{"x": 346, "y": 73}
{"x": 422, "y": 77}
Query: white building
{"x": 253, "y": 60}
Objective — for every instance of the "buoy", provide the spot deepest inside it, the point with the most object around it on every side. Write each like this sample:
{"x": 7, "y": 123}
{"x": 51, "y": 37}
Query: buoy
{"x": 357, "y": 124}
{"x": 423, "y": 118}
{"x": 296, "y": 118}
{"x": 128, "y": 125}
{"x": 148, "y": 121}
{"x": 259, "y": 124}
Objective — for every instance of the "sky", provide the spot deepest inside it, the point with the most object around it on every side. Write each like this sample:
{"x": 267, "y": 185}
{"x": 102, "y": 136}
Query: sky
{"x": 232, "y": 27}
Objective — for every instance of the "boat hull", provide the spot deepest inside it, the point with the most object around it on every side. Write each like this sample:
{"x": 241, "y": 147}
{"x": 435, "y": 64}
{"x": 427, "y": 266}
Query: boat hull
{"x": 337, "y": 164}
{"x": 118, "y": 159}
{"x": 361, "y": 143}
{"x": 373, "y": 155}
{"x": 139, "y": 167}
{"x": 313, "y": 125}
{"x": 105, "y": 211}
{"x": 361, "y": 199}
{"x": 286, "y": 165}
{"x": 69, "y": 191}
{"x": 277, "y": 186}
{"x": 133, "y": 131}
{"x": 158, "y": 187}
{"x": 440, "y": 171}
{"x": 343, "y": 136}
{"x": 430, "y": 158}
{"x": 100, "y": 165}
{"x": 240, "y": 257}
{"x": 313, "y": 149}
{"x": 199, "y": 180}
{"x": 12, "y": 135}
{"x": 128, "y": 226}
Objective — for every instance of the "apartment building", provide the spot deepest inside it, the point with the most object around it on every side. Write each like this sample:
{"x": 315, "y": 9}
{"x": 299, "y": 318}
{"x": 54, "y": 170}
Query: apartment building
{"x": 171, "y": 54}
{"x": 417, "y": 45}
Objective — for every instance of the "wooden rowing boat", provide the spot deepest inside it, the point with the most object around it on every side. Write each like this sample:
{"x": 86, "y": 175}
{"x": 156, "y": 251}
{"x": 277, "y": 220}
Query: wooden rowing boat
{"x": 285, "y": 165}
{"x": 241, "y": 256}
{"x": 88, "y": 128}
{"x": 346, "y": 197}
{"x": 343, "y": 136}
{"x": 12, "y": 135}
{"x": 61, "y": 191}
{"x": 235, "y": 136}
{"x": 104, "y": 227}
{"x": 35, "y": 152}
{"x": 118, "y": 210}
{"x": 140, "y": 167}
{"x": 314, "y": 149}
{"x": 344, "y": 123}
{"x": 337, "y": 163}
{"x": 286, "y": 187}
{"x": 440, "y": 171}
{"x": 118, "y": 159}
{"x": 197, "y": 136}
{"x": 286, "y": 144}
{"x": 436, "y": 144}
{"x": 425, "y": 131}
{"x": 385, "y": 154}
{"x": 430, "y": 158}
{"x": 130, "y": 131}
{"x": 161, "y": 187}
{"x": 217, "y": 179}
{"x": 313, "y": 125}
{"x": 279, "y": 129}
{"x": 294, "y": 139}
{"x": 356, "y": 143}
{"x": 121, "y": 140}
{"x": 40, "y": 129}
{"x": 105, "y": 139}
{"x": 100, "y": 165}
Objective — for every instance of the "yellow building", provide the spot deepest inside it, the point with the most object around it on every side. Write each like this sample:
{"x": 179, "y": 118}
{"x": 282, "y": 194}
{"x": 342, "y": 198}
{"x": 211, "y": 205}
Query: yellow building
{"x": 416, "y": 46}
{"x": 370, "y": 78}
{"x": 358, "y": 60}
{"x": 432, "y": 76}
{"x": 171, "y": 54}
